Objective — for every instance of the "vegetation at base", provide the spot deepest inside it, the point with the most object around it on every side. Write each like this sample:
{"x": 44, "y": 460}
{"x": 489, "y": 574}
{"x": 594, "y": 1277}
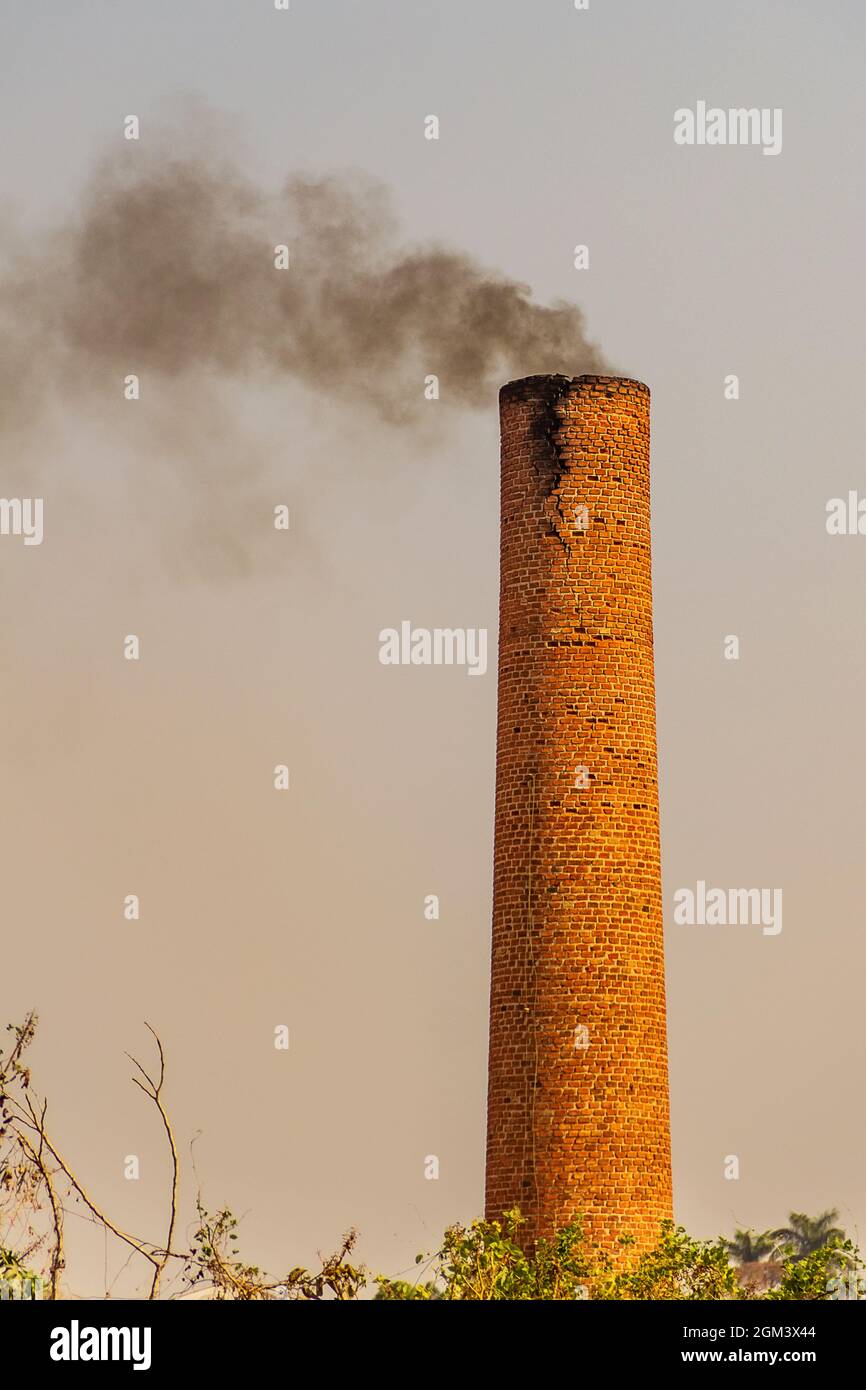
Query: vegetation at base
{"x": 485, "y": 1260}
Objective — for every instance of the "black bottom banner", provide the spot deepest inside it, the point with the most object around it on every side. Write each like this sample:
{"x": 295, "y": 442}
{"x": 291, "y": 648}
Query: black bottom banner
{"x": 83, "y": 1339}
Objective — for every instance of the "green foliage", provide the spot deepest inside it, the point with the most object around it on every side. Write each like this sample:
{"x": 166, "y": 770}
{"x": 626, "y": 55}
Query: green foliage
{"x": 15, "y": 1275}
{"x": 817, "y": 1275}
{"x": 679, "y": 1267}
{"x": 483, "y": 1261}
{"x": 11, "y": 1266}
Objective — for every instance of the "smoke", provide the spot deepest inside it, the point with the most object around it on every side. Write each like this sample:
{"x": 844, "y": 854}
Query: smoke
{"x": 168, "y": 268}
{"x": 166, "y": 271}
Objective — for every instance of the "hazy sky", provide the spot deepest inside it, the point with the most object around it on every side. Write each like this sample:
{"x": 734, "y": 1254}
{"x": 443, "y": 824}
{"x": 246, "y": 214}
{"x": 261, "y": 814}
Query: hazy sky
{"x": 306, "y": 908}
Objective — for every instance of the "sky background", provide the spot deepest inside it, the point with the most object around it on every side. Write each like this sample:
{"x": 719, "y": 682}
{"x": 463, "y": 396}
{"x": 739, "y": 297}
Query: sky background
{"x": 306, "y": 909}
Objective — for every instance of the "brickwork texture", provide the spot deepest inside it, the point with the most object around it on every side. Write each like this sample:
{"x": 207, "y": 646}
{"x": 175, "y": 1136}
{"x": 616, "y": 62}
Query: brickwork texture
{"x": 578, "y": 1121}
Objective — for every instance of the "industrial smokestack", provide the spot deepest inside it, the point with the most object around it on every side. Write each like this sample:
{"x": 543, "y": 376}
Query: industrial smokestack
{"x": 578, "y": 1119}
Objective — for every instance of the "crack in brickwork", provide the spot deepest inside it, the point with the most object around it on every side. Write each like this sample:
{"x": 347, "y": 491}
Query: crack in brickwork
{"x": 577, "y": 920}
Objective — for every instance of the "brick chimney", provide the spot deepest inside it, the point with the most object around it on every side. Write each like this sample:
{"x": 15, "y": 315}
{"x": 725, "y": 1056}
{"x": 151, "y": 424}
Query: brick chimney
{"x": 578, "y": 1120}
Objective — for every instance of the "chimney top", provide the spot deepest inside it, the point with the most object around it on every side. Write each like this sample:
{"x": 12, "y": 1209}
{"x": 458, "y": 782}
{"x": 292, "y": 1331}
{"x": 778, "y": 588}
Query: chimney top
{"x": 555, "y": 383}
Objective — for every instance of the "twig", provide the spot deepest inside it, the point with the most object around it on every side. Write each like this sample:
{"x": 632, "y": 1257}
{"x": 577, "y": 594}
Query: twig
{"x": 58, "y": 1260}
{"x": 152, "y": 1089}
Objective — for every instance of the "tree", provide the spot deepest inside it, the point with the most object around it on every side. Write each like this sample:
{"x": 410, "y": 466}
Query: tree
{"x": 747, "y": 1247}
{"x": 804, "y": 1235}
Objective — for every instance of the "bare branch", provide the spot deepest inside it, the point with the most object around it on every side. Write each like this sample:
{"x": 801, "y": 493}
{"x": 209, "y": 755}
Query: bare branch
{"x": 161, "y": 1259}
{"x": 58, "y": 1260}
